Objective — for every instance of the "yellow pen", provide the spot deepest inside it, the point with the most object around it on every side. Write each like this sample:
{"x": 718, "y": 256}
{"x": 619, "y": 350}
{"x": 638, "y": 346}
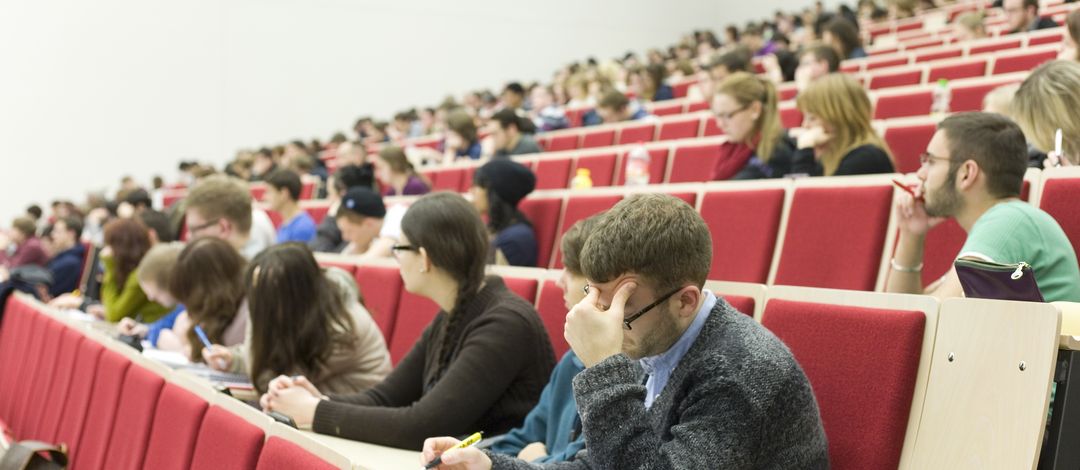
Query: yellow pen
{"x": 469, "y": 441}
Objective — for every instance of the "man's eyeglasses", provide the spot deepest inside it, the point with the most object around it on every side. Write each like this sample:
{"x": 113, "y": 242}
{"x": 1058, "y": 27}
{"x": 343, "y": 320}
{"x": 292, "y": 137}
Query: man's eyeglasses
{"x": 630, "y": 319}
{"x": 198, "y": 228}
{"x": 396, "y": 248}
{"x": 927, "y": 156}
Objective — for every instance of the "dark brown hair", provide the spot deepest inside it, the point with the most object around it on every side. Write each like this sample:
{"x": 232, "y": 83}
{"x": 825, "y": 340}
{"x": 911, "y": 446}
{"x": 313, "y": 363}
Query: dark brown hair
{"x": 130, "y": 240}
{"x": 287, "y": 292}
{"x": 845, "y": 32}
{"x": 209, "y": 282}
{"x": 574, "y": 240}
{"x": 996, "y": 144}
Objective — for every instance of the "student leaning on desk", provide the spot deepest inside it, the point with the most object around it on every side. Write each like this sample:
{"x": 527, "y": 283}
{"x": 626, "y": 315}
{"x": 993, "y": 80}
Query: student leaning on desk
{"x": 675, "y": 377}
{"x": 479, "y": 365}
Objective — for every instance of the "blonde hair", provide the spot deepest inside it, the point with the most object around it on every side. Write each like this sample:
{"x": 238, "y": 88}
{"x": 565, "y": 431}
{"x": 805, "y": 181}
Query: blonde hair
{"x": 1048, "y": 100}
{"x": 999, "y": 100}
{"x": 972, "y": 21}
{"x": 745, "y": 89}
{"x": 839, "y": 100}
{"x": 158, "y": 264}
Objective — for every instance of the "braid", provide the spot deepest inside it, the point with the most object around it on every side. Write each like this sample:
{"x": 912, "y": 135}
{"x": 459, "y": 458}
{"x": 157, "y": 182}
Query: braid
{"x": 466, "y": 290}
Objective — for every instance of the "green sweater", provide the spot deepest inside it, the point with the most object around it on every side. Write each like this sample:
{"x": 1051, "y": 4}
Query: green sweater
{"x": 127, "y": 300}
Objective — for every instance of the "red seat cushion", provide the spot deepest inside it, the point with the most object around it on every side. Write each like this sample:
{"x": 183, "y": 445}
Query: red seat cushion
{"x": 414, "y": 314}
{"x": 131, "y": 431}
{"x": 552, "y": 309}
{"x": 578, "y": 208}
{"x": 74, "y": 414}
{"x": 226, "y": 441}
{"x": 816, "y": 254}
{"x": 563, "y": 142}
{"x": 908, "y": 143}
{"x": 892, "y": 79}
{"x": 91, "y": 451}
{"x": 967, "y": 69}
{"x": 657, "y": 166}
{"x": 177, "y": 420}
{"x": 601, "y": 168}
{"x": 637, "y": 133}
{"x": 681, "y": 129}
{"x": 381, "y": 288}
{"x": 279, "y": 454}
{"x": 742, "y": 252}
{"x": 1059, "y": 196}
{"x": 601, "y": 138}
{"x": 553, "y": 173}
{"x": 544, "y": 214}
{"x": 915, "y": 103}
{"x": 694, "y": 163}
{"x": 863, "y": 385}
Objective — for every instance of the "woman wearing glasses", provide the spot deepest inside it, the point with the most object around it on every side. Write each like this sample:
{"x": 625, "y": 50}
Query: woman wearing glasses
{"x": 758, "y": 146}
{"x": 479, "y": 365}
{"x": 837, "y": 137}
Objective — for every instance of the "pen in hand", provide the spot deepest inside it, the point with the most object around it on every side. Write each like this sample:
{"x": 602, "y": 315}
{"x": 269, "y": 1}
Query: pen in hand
{"x": 469, "y": 441}
{"x": 206, "y": 343}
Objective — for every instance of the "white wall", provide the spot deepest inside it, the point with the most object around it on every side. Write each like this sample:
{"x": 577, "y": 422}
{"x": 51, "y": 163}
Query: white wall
{"x": 92, "y": 90}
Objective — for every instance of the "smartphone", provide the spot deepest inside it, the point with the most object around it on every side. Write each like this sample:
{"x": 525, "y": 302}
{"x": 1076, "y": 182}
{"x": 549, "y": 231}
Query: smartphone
{"x": 282, "y": 419}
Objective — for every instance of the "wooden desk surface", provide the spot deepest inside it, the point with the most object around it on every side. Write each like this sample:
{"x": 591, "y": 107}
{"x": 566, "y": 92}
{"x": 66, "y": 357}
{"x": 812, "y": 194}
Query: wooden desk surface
{"x": 369, "y": 456}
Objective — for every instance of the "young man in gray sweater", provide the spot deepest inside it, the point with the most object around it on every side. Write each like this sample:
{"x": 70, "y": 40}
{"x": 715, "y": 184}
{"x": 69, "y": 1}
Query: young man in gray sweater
{"x": 675, "y": 377}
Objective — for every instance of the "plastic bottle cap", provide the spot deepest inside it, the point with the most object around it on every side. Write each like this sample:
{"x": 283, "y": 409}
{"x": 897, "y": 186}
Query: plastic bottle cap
{"x": 943, "y": 81}
{"x": 583, "y": 171}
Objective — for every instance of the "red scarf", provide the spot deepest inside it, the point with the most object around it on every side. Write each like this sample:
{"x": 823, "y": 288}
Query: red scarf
{"x": 733, "y": 157}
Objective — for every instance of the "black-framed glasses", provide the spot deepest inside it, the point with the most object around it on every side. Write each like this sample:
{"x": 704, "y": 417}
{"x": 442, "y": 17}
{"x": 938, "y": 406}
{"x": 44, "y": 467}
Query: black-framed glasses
{"x": 728, "y": 116}
{"x": 396, "y": 248}
{"x": 198, "y": 228}
{"x": 630, "y": 319}
{"x": 926, "y": 157}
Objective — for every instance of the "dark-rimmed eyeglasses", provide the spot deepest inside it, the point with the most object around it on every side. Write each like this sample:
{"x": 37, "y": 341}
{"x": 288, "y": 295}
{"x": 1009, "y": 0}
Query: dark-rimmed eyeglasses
{"x": 195, "y": 229}
{"x": 397, "y": 248}
{"x": 630, "y": 319}
{"x": 728, "y": 116}
{"x": 926, "y": 157}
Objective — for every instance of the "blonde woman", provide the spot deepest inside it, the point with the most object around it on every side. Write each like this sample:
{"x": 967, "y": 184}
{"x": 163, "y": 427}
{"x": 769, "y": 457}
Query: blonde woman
{"x": 758, "y": 146}
{"x": 837, "y": 137}
{"x": 1047, "y": 101}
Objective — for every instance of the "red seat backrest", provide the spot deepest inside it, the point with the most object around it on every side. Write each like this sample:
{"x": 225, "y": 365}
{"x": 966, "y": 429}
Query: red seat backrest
{"x": 1059, "y": 196}
{"x": 307, "y": 190}
{"x": 563, "y": 142}
{"x": 553, "y": 173}
{"x": 449, "y": 180}
{"x": 544, "y": 214}
{"x": 994, "y": 46}
{"x": 704, "y": 106}
{"x": 684, "y": 128}
{"x": 601, "y": 138}
{"x": 578, "y": 208}
{"x": 915, "y": 103}
{"x": 279, "y": 454}
{"x": 694, "y": 163}
{"x": 134, "y": 417}
{"x": 275, "y": 217}
{"x": 347, "y": 267}
{"x": 928, "y": 56}
{"x": 891, "y": 79}
{"x": 552, "y": 310}
{"x": 601, "y": 168}
{"x": 679, "y": 90}
{"x": 1022, "y": 62}
{"x": 414, "y": 314}
{"x": 226, "y": 441}
{"x": 70, "y": 424}
{"x": 966, "y": 69}
{"x": 942, "y": 244}
{"x": 576, "y": 115}
{"x": 258, "y": 193}
{"x": 744, "y": 227}
{"x": 28, "y": 415}
{"x": 666, "y": 109}
{"x": 657, "y": 166}
{"x": 28, "y": 370}
{"x": 522, "y": 286}
{"x": 816, "y": 254}
{"x": 711, "y": 128}
{"x": 177, "y": 420}
{"x": 908, "y": 143}
{"x": 56, "y": 396}
{"x": 108, "y": 382}
{"x": 381, "y": 288}
{"x": 791, "y": 117}
{"x": 742, "y": 303}
{"x": 13, "y": 344}
{"x": 635, "y": 133}
{"x": 863, "y": 385}
{"x": 882, "y": 62}
{"x": 318, "y": 213}
{"x": 970, "y": 97}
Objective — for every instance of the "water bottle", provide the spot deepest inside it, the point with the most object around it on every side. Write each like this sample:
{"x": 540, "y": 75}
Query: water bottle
{"x": 582, "y": 180}
{"x": 941, "y": 97}
{"x": 637, "y": 167}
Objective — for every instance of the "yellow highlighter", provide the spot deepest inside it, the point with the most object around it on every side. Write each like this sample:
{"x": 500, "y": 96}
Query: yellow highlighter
{"x": 469, "y": 441}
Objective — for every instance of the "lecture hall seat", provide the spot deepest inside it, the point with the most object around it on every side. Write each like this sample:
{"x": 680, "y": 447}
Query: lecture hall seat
{"x": 544, "y": 214}
{"x": 177, "y": 419}
{"x": 280, "y": 454}
{"x": 134, "y": 417}
{"x": 226, "y": 440}
{"x": 743, "y": 250}
{"x": 104, "y": 402}
{"x": 578, "y": 208}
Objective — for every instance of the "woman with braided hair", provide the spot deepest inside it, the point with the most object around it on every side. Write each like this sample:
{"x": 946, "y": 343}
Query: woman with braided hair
{"x": 479, "y": 365}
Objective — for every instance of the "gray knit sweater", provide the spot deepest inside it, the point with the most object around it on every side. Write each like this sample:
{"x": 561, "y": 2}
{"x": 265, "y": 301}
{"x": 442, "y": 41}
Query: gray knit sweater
{"x": 737, "y": 400}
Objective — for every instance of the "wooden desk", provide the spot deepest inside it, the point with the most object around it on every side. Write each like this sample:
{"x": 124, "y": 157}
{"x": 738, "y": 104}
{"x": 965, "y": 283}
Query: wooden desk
{"x": 369, "y": 456}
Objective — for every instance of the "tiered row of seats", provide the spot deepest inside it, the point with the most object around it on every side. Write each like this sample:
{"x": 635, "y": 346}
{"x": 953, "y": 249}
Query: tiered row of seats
{"x": 63, "y": 382}
{"x": 876, "y": 397}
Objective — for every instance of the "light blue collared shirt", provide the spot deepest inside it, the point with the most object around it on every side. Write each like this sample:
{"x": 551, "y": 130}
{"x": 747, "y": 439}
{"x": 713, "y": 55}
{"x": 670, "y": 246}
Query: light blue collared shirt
{"x": 660, "y": 366}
